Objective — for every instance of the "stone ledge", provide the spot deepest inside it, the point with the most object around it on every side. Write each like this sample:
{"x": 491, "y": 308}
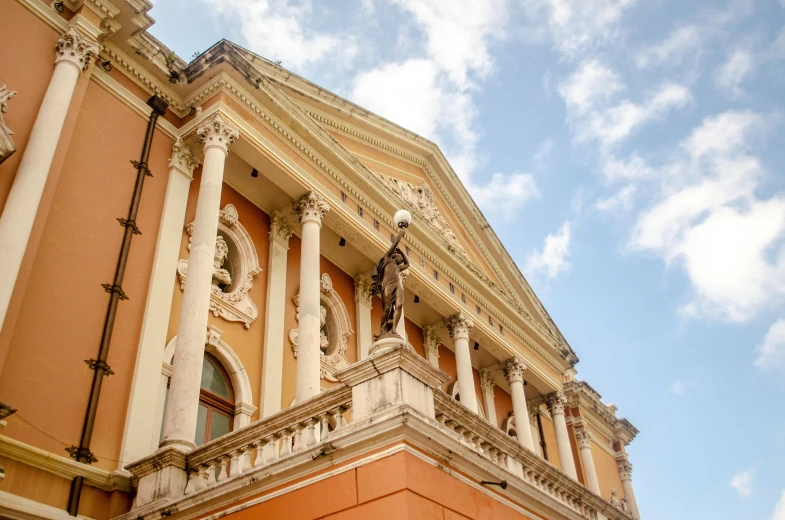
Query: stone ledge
{"x": 404, "y": 358}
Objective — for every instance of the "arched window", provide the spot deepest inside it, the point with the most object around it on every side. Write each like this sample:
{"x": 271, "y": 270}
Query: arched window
{"x": 216, "y": 408}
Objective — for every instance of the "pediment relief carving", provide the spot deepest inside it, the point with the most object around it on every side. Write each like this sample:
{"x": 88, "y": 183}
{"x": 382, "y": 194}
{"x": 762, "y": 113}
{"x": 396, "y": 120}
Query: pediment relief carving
{"x": 420, "y": 199}
{"x": 234, "y": 267}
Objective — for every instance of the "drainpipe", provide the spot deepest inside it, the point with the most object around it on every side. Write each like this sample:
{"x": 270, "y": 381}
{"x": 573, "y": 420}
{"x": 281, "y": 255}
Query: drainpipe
{"x": 82, "y": 453}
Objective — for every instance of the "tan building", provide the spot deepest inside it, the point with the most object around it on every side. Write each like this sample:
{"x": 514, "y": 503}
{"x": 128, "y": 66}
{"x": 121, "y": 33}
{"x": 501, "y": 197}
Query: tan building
{"x": 196, "y": 342}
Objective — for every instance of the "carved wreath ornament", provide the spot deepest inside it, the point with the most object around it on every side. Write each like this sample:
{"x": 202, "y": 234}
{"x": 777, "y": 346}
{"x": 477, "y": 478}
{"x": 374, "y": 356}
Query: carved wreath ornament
{"x": 234, "y": 267}
{"x": 335, "y": 329}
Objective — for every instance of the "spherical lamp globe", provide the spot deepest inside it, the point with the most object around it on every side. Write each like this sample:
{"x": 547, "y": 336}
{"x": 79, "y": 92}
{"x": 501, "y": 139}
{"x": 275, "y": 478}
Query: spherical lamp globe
{"x": 402, "y": 218}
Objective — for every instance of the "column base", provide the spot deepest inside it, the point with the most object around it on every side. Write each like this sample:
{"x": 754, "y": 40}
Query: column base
{"x": 162, "y": 476}
{"x": 388, "y": 343}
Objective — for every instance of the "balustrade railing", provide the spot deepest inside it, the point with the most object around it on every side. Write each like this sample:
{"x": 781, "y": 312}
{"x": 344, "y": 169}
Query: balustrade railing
{"x": 264, "y": 442}
{"x": 504, "y": 451}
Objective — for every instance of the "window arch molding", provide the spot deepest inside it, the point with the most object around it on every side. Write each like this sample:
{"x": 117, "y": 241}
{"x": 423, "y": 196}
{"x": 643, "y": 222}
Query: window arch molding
{"x": 223, "y": 353}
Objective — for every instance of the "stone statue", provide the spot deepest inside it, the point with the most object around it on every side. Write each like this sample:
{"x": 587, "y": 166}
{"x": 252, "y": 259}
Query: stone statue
{"x": 615, "y": 499}
{"x": 220, "y": 275}
{"x": 624, "y": 505}
{"x": 388, "y": 283}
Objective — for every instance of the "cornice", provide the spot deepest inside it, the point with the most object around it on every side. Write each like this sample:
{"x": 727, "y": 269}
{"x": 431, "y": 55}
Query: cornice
{"x": 62, "y": 466}
{"x": 600, "y": 415}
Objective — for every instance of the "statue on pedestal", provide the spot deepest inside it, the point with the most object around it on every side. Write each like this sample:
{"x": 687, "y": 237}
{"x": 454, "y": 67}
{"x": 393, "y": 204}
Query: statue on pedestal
{"x": 388, "y": 281}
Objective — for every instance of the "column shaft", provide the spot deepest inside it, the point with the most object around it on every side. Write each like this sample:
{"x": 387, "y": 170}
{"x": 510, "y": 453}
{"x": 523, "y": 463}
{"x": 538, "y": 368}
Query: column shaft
{"x": 363, "y": 305}
{"x": 556, "y": 403}
{"x": 584, "y": 443}
{"x": 16, "y": 223}
{"x": 625, "y": 471}
{"x": 183, "y": 401}
{"x": 459, "y": 326}
{"x": 312, "y": 209}
{"x": 513, "y": 371}
{"x": 141, "y": 437}
{"x": 486, "y": 384}
{"x": 272, "y": 362}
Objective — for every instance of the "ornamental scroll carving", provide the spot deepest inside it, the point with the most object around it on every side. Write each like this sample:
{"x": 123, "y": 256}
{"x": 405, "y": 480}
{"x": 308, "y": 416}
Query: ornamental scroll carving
{"x": 335, "y": 329}
{"x": 235, "y": 265}
{"x": 7, "y": 146}
{"x": 419, "y": 198}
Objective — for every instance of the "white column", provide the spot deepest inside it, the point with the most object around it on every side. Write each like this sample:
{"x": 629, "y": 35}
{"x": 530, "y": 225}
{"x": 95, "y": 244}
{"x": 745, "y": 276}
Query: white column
{"x": 183, "y": 401}
{"x": 556, "y": 402}
{"x": 459, "y": 327}
{"x": 487, "y": 384}
{"x": 311, "y": 208}
{"x": 625, "y": 472}
{"x": 73, "y": 53}
{"x": 272, "y": 362}
{"x": 584, "y": 444}
{"x": 363, "y": 305}
{"x": 513, "y": 371}
{"x": 431, "y": 344}
{"x": 140, "y": 437}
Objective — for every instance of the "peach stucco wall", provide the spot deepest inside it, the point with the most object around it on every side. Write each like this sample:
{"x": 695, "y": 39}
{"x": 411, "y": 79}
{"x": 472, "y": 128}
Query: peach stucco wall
{"x": 26, "y": 66}
{"x": 61, "y": 317}
{"x": 397, "y": 486}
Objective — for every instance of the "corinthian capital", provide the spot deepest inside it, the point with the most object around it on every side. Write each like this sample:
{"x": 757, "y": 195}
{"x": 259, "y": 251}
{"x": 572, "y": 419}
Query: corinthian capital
{"x": 217, "y": 132}
{"x": 311, "y": 207}
{"x": 584, "y": 437}
{"x": 486, "y": 381}
{"x": 183, "y": 159}
{"x": 513, "y": 370}
{"x": 280, "y": 231}
{"x": 625, "y": 469}
{"x": 75, "y": 49}
{"x": 431, "y": 341}
{"x": 459, "y": 326}
{"x": 362, "y": 289}
{"x": 556, "y": 402}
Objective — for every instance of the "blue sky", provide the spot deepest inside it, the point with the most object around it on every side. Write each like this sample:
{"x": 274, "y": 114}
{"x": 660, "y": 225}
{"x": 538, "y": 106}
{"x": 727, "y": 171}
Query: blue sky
{"x": 629, "y": 155}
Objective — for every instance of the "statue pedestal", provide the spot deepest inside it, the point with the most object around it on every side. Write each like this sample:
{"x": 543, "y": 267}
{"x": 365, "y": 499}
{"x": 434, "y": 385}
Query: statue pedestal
{"x": 385, "y": 344}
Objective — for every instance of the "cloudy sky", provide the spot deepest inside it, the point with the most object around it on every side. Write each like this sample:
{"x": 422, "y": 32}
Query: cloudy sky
{"x": 629, "y": 153}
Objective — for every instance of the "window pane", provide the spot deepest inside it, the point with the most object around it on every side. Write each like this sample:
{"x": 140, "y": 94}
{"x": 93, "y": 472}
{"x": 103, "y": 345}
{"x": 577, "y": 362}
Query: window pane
{"x": 201, "y": 424}
{"x": 220, "y": 425}
{"x": 213, "y": 380}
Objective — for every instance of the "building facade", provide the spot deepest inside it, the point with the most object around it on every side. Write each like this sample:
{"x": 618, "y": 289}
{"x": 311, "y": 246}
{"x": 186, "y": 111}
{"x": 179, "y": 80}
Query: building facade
{"x": 187, "y": 312}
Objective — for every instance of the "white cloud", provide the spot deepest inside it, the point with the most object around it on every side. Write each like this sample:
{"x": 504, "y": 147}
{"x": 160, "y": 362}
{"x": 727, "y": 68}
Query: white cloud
{"x": 576, "y": 26}
{"x": 779, "y": 509}
{"x": 708, "y": 217}
{"x": 742, "y": 482}
{"x": 620, "y": 201}
{"x": 594, "y": 115}
{"x": 505, "y": 194}
{"x": 459, "y": 34}
{"x": 771, "y": 353}
{"x": 551, "y": 261}
{"x": 278, "y": 30}
{"x": 729, "y": 76}
{"x": 679, "y": 387}
{"x": 679, "y": 44}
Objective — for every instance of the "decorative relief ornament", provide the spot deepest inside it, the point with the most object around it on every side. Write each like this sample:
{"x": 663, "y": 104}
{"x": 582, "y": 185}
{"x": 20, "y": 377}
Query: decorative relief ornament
{"x": 513, "y": 370}
{"x": 234, "y": 248}
{"x": 335, "y": 329}
{"x": 183, "y": 158}
{"x": 216, "y": 131}
{"x": 556, "y": 402}
{"x": 76, "y": 49}
{"x": 419, "y": 198}
{"x": 311, "y": 207}
{"x": 584, "y": 437}
{"x": 7, "y": 146}
{"x": 625, "y": 469}
{"x": 459, "y": 325}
